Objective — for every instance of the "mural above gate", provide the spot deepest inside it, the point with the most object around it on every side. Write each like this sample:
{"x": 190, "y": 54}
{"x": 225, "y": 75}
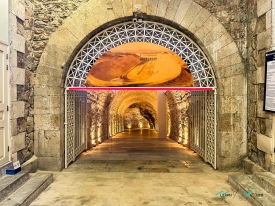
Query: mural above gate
{"x": 144, "y": 32}
{"x": 139, "y": 64}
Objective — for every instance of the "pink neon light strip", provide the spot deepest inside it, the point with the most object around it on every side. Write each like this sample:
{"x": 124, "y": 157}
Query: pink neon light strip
{"x": 142, "y": 88}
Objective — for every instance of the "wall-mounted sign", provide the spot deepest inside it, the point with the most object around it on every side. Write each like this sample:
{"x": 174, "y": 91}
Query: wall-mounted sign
{"x": 269, "y": 99}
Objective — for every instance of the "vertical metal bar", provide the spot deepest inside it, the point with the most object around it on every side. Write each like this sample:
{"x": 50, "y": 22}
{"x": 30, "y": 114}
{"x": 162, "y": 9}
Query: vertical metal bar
{"x": 192, "y": 123}
{"x": 215, "y": 128}
{"x": 77, "y": 123}
{"x": 66, "y": 130}
{"x": 195, "y": 119}
{"x": 74, "y": 120}
{"x": 192, "y": 119}
{"x": 205, "y": 126}
{"x": 86, "y": 116}
{"x": 201, "y": 123}
{"x": 198, "y": 120}
{"x": 80, "y": 122}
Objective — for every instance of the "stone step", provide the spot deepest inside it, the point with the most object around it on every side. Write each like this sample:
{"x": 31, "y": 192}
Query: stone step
{"x": 28, "y": 192}
{"x": 245, "y": 186}
{"x": 9, "y": 183}
{"x": 265, "y": 180}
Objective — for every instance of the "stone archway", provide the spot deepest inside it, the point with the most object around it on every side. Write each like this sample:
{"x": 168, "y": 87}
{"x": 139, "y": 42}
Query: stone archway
{"x": 216, "y": 44}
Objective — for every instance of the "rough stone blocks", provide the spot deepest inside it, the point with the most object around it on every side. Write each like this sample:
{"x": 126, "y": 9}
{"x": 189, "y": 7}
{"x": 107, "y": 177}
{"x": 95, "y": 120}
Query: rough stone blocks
{"x": 162, "y": 7}
{"x": 50, "y": 163}
{"x": 18, "y": 42}
{"x": 18, "y": 8}
{"x": 182, "y": 10}
{"x": 48, "y": 143}
{"x": 191, "y": 15}
{"x": 264, "y": 39}
{"x": 18, "y": 142}
{"x": 18, "y": 76}
{"x": 261, "y": 75}
{"x": 264, "y": 6}
{"x": 17, "y": 109}
{"x": 264, "y": 143}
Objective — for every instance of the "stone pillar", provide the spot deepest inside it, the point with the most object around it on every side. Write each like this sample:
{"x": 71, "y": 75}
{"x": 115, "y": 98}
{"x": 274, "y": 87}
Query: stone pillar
{"x": 109, "y": 126}
{"x": 113, "y": 125}
{"x": 122, "y": 124}
{"x": 99, "y": 128}
{"x": 180, "y": 128}
{"x": 93, "y": 130}
{"x": 117, "y": 123}
{"x": 185, "y": 130}
{"x": 161, "y": 114}
{"x": 89, "y": 125}
{"x": 93, "y": 124}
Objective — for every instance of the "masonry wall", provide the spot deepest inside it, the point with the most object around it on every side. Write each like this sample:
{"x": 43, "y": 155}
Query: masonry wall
{"x": 260, "y": 40}
{"x": 242, "y": 19}
{"x": 98, "y": 116}
{"x": 21, "y": 103}
{"x": 27, "y": 41}
{"x": 45, "y": 17}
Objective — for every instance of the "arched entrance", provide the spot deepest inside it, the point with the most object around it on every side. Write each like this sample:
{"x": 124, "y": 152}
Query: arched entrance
{"x": 213, "y": 38}
{"x": 203, "y": 103}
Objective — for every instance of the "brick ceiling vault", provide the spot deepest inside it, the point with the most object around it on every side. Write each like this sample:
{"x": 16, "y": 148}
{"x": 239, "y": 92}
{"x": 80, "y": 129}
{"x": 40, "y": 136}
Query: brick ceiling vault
{"x": 124, "y": 99}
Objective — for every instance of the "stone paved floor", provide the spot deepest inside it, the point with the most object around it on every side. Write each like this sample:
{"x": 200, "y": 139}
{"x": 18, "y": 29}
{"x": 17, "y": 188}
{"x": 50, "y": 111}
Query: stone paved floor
{"x": 139, "y": 171}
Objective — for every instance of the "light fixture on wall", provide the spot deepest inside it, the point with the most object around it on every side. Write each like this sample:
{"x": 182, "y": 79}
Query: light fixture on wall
{"x": 93, "y": 142}
{"x": 185, "y": 142}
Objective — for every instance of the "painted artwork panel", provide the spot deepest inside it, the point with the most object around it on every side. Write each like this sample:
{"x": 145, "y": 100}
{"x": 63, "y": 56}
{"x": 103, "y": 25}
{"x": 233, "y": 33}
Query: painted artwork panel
{"x": 139, "y": 64}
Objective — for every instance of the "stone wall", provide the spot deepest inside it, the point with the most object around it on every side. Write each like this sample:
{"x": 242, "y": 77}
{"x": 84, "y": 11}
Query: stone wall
{"x": 233, "y": 16}
{"x": 98, "y": 116}
{"x": 32, "y": 22}
{"x": 178, "y": 104}
{"x": 21, "y": 103}
{"x": 54, "y": 31}
{"x": 133, "y": 119}
{"x": 260, "y": 123}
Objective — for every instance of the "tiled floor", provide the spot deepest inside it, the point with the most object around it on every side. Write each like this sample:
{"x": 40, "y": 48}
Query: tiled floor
{"x": 139, "y": 171}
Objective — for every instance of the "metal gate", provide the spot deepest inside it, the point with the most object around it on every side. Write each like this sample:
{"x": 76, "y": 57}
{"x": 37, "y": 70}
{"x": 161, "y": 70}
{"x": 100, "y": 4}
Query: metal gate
{"x": 75, "y": 124}
{"x": 203, "y": 125}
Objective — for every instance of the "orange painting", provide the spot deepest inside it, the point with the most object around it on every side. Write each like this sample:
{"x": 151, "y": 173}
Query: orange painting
{"x": 139, "y": 64}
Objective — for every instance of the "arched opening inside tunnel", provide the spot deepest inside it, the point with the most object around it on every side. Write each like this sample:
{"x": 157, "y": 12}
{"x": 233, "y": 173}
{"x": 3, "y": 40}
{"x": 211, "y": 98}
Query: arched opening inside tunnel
{"x": 140, "y": 77}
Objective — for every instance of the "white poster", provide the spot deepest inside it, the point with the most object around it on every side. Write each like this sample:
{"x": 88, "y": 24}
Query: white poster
{"x": 269, "y": 104}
